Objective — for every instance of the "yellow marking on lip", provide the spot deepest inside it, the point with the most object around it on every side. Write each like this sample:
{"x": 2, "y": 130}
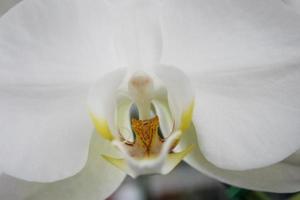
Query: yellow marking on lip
{"x": 186, "y": 117}
{"x": 102, "y": 127}
{"x": 118, "y": 162}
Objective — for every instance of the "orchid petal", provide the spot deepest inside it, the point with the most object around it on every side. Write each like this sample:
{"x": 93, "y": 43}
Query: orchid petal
{"x": 96, "y": 181}
{"x": 248, "y": 119}
{"x": 45, "y": 131}
{"x": 55, "y": 42}
{"x": 137, "y": 32}
{"x": 293, "y": 4}
{"x": 218, "y": 35}
{"x": 165, "y": 117}
{"x": 251, "y": 107}
{"x": 180, "y": 94}
{"x": 49, "y": 57}
{"x": 124, "y": 104}
{"x": 281, "y": 177}
{"x": 102, "y": 102}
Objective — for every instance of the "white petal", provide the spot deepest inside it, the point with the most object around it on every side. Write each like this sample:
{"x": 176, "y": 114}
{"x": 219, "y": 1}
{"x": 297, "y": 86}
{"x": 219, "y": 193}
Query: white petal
{"x": 123, "y": 117}
{"x": 204, "y": 35}
{"x": 137, "y": 32}
{"x": 250, "y": 118}
{"x": 165, "y": 117}
{"x": 280, "y": 177}
{"x": 241, "y": 122}
{"x": 55, "y": 42}
{"x": 179, "y": 88}
{"x": 103, "y": 97}
{"x": 293, "y": 4}
{"x": 45, "y": 131}
{"x": 96, "y": 181}
{"x": 48, "y": 50}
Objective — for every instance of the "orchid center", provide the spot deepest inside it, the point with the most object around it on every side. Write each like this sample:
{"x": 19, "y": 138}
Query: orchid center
{"x": 140, "y": 121}
{"x": 147, "y": 136}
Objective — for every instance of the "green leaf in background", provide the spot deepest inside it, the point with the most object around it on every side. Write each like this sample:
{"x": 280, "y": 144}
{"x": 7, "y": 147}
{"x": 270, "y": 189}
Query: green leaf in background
{"x": 235, "y": 193}
{"x": 296, "y": 197}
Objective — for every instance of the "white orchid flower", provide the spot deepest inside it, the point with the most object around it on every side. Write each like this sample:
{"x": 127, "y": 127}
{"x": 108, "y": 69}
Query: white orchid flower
{"x": 139, "y": 69}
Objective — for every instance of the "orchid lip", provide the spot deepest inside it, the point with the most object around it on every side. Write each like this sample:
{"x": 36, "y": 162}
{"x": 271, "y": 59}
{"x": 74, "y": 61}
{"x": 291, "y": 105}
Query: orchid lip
{"x": 147, "y": 139}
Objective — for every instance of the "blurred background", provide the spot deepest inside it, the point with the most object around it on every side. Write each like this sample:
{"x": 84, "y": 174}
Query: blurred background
{"x": 185, "y": 183}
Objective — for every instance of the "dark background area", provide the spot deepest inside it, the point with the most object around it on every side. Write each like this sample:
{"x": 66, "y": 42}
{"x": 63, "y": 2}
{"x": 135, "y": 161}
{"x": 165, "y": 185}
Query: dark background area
{"x": 186, "y": 183}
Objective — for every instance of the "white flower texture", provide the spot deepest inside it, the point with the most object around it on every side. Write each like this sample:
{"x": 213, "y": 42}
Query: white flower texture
{"x": 235, "y": 64}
